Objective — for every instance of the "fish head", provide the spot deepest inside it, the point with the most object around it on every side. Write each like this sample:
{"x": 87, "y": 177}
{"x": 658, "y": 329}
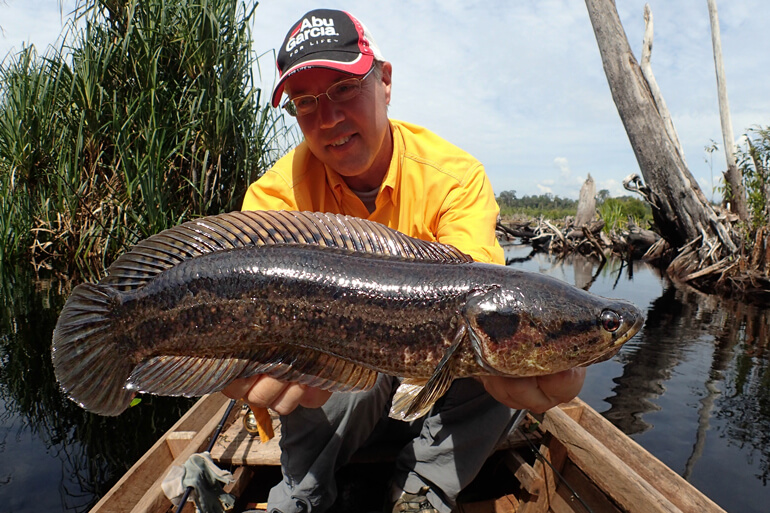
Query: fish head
{"x": 533, "y": 325}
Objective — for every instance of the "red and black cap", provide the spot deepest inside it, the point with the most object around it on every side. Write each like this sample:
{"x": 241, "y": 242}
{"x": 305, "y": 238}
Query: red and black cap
{"x": 325, "y": 38}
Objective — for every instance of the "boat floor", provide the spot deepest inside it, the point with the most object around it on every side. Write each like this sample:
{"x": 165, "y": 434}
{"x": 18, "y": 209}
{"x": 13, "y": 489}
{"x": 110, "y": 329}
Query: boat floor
{"x": 363, "y": 484}
{"x": 571, "y": 460}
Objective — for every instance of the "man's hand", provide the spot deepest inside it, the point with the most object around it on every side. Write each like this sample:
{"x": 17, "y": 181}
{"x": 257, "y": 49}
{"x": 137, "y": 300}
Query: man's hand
{"x": 265, "y": 392}
{"x": 536, "y": 394}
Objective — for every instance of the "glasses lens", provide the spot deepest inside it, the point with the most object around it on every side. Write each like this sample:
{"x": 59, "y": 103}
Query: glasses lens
{"x": 301, "y": 105}
{"x": 345, "y": 90}
{"x": 290, "y": 108}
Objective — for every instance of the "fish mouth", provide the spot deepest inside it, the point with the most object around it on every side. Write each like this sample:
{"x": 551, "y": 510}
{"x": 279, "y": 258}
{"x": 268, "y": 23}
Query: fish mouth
{"x": 630, "y": 332}
{"x": 614, "y": 349}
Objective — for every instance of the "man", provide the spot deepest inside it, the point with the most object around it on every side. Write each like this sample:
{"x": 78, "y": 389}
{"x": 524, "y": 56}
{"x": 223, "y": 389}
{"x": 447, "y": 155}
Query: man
{"x": 356, "y": 161}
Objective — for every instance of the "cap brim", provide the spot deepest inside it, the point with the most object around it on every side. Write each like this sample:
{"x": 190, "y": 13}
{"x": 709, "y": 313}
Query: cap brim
{"x": 359, "y": 66}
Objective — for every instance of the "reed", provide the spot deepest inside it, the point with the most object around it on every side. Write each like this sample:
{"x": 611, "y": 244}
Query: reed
{"x": 145, "y": 116}
{"x": 753, "y": 158}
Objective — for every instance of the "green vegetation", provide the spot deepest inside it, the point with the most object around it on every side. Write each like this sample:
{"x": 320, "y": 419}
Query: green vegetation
{"x": 546, "y": 205}
{"x": 616, "y": 212}
{"x": 754, "y": 162}
{"x": 146, "y": 116}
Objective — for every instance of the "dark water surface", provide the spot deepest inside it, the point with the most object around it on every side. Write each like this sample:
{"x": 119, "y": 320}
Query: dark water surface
{"x": 692, "y": 387}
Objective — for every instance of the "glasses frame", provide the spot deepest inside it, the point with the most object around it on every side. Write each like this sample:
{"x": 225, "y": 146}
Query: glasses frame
{"x": 291, "y": 107}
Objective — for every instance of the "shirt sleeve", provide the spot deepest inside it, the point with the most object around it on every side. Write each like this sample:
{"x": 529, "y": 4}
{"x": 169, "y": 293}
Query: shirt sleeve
{"x": 269, "y": 193}
{"x": 469, "y": 217}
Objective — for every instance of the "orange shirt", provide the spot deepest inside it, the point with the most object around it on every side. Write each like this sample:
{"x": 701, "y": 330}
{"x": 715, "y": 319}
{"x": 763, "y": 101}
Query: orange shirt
{"x": 433, "y": 191}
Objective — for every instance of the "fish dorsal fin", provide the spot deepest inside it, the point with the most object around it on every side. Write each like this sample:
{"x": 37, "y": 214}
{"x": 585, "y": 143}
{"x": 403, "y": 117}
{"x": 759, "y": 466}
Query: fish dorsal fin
{"x": 412, "y": 401}
{"x": 243, "y": 229}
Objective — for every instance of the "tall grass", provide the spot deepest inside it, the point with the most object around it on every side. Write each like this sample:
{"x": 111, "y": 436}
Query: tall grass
{"x": 754, "y": 162}
{"x": 145, "y": 116}
{"x": 618, "y": 212}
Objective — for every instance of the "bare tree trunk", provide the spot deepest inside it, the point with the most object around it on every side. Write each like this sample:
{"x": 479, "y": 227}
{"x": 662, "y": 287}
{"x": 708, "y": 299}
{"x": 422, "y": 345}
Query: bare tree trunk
{"x": 657, "y": 96}
{"x": 680, "y": 209}
{"x": 586, "y": 209}
{"x": 733, "y": 177}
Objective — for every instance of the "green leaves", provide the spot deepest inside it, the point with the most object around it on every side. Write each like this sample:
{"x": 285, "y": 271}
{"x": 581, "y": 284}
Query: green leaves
{"x": 753, "y": 159}
{"x": 145, "y": 116}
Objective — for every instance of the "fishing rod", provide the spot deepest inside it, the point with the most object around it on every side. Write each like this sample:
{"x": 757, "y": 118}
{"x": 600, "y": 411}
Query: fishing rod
{"x": 218, "y": 431}
{"x": 562, "y": 479}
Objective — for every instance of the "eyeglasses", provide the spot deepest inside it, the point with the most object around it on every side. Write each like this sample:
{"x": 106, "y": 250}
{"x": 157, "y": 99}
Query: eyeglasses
{"x": 342, "y": 91}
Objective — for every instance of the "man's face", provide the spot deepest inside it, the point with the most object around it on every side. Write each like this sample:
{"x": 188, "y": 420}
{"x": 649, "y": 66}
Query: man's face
{"x": 351, "y": 137}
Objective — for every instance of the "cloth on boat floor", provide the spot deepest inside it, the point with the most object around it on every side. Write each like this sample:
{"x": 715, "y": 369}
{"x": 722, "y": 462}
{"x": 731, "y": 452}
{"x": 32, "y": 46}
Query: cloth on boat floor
{"x": 207, "y": 480}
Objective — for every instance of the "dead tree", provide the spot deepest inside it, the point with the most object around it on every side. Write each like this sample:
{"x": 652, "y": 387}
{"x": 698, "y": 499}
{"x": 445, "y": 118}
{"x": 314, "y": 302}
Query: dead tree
{"x": 586, "y": 210}
{"x": 680, "y": 209}
{"x": 737, "y": 195}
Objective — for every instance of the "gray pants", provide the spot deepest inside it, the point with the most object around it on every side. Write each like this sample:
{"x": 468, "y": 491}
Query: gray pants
{"x": 449, "y": 447}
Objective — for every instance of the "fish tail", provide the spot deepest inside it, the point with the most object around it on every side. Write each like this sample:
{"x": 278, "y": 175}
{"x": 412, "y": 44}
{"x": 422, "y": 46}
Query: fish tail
{"x": 86, "y": 358}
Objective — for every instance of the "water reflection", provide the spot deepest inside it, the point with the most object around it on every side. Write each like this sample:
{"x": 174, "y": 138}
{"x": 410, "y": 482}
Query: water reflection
{"x": 692, "y": 387}
{"x": 90, "y": 452}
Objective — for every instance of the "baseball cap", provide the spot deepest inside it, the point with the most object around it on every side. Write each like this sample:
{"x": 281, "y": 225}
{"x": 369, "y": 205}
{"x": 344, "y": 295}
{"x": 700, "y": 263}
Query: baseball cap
{"x": 325, "y": 38}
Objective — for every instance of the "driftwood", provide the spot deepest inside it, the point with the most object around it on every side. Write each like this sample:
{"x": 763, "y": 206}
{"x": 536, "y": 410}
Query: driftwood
{"x": 563, "y": 238}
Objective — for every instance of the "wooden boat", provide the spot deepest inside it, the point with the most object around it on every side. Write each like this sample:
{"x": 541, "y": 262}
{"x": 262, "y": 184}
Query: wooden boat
{"x": 570, "y": 460}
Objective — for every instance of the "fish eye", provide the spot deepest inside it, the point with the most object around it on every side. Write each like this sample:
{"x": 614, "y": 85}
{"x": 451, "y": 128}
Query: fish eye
{"x": 610, "y": 320}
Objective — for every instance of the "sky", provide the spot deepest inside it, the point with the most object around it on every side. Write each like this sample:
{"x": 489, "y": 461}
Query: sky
{"x": 520, "y": 85}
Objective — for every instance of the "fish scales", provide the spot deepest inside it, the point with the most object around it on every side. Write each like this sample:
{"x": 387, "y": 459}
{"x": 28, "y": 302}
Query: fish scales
{"x": 321, "y": 299}
{"x": 391, "y": 315}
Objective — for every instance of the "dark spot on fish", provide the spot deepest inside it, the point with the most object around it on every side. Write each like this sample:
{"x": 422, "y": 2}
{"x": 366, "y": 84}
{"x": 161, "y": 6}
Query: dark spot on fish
{"x": 570, "y": 329}
{"x": 499, "y": 326}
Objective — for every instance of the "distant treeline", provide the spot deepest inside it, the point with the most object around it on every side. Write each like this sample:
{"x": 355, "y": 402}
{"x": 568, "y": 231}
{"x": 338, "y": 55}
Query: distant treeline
{"x": 612, "y": 210}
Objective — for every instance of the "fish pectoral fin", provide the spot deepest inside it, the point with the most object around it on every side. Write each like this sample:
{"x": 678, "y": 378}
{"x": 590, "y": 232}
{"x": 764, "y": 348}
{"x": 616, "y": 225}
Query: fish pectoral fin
{"x": 413, "y": 401}
{"x": 420, "y": 382}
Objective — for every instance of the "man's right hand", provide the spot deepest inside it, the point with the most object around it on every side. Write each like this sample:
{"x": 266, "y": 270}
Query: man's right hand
{"x": 265, "y": 392}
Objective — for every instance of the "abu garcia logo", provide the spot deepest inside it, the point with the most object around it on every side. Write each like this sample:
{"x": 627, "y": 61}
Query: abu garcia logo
{"x": 311, "y": 29}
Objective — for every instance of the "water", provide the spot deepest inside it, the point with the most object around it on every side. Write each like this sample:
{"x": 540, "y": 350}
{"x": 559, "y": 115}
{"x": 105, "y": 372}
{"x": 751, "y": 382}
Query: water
{"x": 54, "y": 456}
{"x": 692, "y": 387}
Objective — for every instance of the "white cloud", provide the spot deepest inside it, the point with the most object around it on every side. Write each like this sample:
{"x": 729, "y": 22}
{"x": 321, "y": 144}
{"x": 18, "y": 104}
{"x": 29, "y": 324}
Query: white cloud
{"x": 563, "y": 166}
{"x": 522, "y": 86}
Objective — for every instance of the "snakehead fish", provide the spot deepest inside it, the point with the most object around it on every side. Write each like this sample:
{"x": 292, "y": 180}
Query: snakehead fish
{"x": 321, "y": 299}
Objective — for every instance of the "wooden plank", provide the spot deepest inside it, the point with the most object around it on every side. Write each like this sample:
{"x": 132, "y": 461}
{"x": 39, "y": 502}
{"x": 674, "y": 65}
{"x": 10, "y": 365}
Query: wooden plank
{"x": 178, "y": 440}
{"x": 569, "y": 499}
{"x": 140, "y": 477}
{"x": 529, "y": 479}
{"x": 606, "y": 469}
{"x": 236, "y": 446}
{"x": 553, "y": 452}
{"x": 507, "y": 504}
{"x": 242, "y": 477}
{"x": 670, "y": 484}
{"x": 154, "y": 501}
